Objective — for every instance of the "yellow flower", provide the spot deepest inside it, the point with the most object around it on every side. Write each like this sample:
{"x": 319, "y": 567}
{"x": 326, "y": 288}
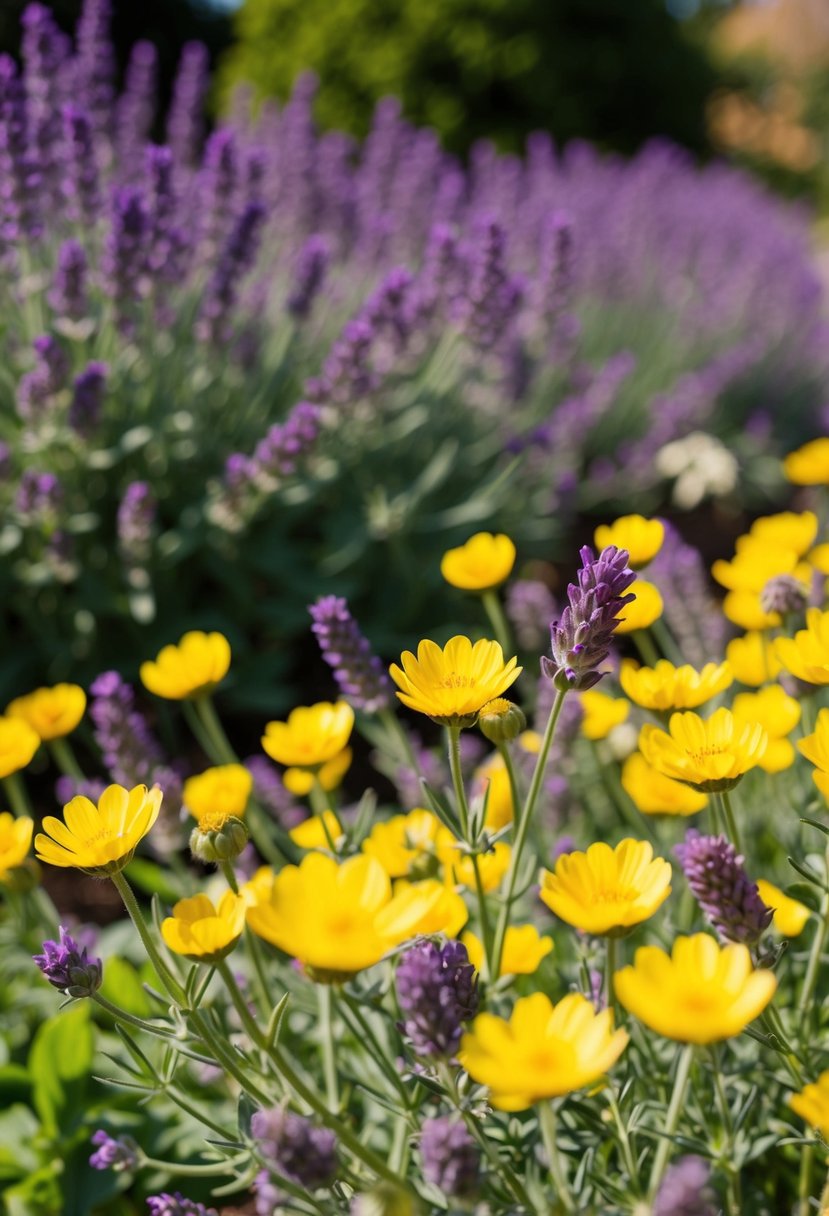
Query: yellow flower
{"x": 484, "y": 562}
{"x": 786, "y": 530}
{"x": 819, "y": 558}
{"x": 191, "y": 668}
{"x": 15, "y": 839}
{"x": 543, "y": 1051}
{"x": 778, "y": 714}
{"x": 215, "y": 795}
{"x": 641, "y": 537}
{"x": 654, "y": 793}
{"x": 99, "y": 839}
{"x": 312, "y": 736}
{"x": 700, "y": 993}
{"x": 708, "y": 753}
{"x": 744, "y": 609}
{"x": 201, "y": 932}
{"x": 422, "y": 908}
{"x": 491, "y": 780}
{"x": 51, "y": 712}
{"x": 809, "y": 465}
{"x": 18, "y": 743}
{"x": 755, "y": 562}
{"x": 602, "y": 713}
{"x": 605, "y": 890}
{"x": 313, "y": 833}
{"x": 806, "y": 655}
{"x": 752, "y": 659}
{"x": 300, "y": 781}
{"x": 524, "y": 948}
{"x": 455, "y": 683}
{"x": 812, "y": 1103}
{"x": 815, "y": 747}
{"x": 492, "y": 866}
{"x": 406, "y": 845}
{"x": 666, "y": 687}
{"x": 645, "y": 608}
{"x": 257, "y": 890}
{"x": 790, "y": 915}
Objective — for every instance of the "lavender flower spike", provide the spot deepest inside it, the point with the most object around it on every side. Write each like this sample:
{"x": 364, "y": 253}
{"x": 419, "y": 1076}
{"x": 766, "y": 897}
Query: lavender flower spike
{"x": 176, "y": 1205}
{"x": 726, "y": 894}
{"x": 301, "y": 1152}
{"x": 114, "y": 1153}
{"x": 580, "y": 640}
{"x": 359, "y": 673}
{"x": 437, "y": 990}
{"x": 685, "y": 1190}
{"x": 451, "y": 1159}
{"x": 68, "y": 967}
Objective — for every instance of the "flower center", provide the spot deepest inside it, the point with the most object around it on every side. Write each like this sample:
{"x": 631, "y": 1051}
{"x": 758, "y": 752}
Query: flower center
{"x": 455, "y": 680}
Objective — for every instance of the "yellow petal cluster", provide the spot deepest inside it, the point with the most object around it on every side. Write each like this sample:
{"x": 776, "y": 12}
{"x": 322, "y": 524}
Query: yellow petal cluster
{"x": 812, "y": 1103}
{"x": 645, "y": 608}
{"x": 523, "y": 953}
{"x": 815, "y": 747}
{"x": 406, "y": 845}
{"x": 655, "y": 794}
{"x": 423, "y": 908}
{"x": 665, "y": 686}
{"x": 191, "y": 668}
{"x": 773, "y": 547}
{"x": 312, "y": 735}
{"x": 601, "y": 713}
{"x": 641, "y": 537}
{"x": 605, "y": 890}
{"x": 709, "y": 754}
{"x": 778, "y": 714}
{"x": 809, "y": 465}
{"x": 18, "y": 744}
{"x": 786, "y": 530}
{"x": 459, "y": 867}
{"x": 484, "y": 562}
{"x": 102, "y": 838}
{"x": 752, "y": 659}
{"x": 806, "y": 655}
{"x": 453, "y": 684}
{"x": 543, "y": 1051}
{"x": 217, "y": 794}
{"x": 318, "y": 832}
{"x": 51, "y": 712}
{"x": 15, "y": 840}
{"x": 201, "y": 932}
{"x": 300, "y": 781}
{"x": 790, "y": 915}
{"x": 699, "y": 993}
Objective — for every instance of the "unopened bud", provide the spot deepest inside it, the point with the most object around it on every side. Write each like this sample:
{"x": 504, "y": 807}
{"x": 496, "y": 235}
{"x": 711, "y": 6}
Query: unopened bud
{"x": 784, "y": 594}
{"x": 219, "y": 844}
{"x": 501, "y": 721}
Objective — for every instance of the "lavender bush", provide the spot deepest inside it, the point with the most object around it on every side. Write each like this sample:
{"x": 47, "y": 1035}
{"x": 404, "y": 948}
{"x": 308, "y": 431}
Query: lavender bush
{"x": 241, "y": 343}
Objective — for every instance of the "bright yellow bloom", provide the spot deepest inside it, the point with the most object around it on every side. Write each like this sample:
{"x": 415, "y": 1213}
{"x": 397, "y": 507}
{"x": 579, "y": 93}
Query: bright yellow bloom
{"x": 524, "y": 949}
{"x": 300, "y": 781}
{"x": 406, "y": 845}
{"x": 755, "y": 562}
{"x": 257, "y": 890}
{"x": 543, "y": 1051}
{"x": 666, "y": 687}
{"x": 806, "y": 655}
{"x": 778, "y": 714}
{"x": 744, "y": 609}
{"x": 646, "y": 607}
{"x": 423, "y": 908}
{"x": 641, "y": 537}
{"x": 819, "y": 558}
{"x": 215, "y": 795}
{"x": 812, "y": 1103}
{"x": 708, "y": 753}
{"x": 312, "y": 736}
{"x": 605, "y": 890}
{"x": 655, "y": 794}
{"x": 15, "y": 839}
{"x": 492, "y": 780}
{"x": 484, "y": 562}
{"x": 99, "y": 839}
{"x": 700, "y": 993}
{"x": 786, "y": 530}
{"x": 809, "y": 465}
{"x": 51, "y": 712}
{"x": 18, "y": 743}
{"x": 815, "y": 747}
{"x": 455, "y": 683}
{"x": 191, "y": 668}
{"x": 752, "y": 659}
{"x": 337, "y": 917}
{"x": 492, "y": 866}
{"x": 317, "y": 832}
{"x": 201, "y": 932}
{"x": 790, "y": 915}
{"x": 602, "y": 713}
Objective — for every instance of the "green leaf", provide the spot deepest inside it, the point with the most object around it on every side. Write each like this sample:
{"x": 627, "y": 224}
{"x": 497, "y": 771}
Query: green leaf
{"x": 123, "y": 986}
{"x": 151, "y": 879}
{"x": 59, "y": 1061}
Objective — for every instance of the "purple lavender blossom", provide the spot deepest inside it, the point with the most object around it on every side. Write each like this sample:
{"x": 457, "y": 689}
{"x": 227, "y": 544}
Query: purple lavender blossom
{"x": 295, "y": 1147}
{"x": 437, "y": 990}
{"x": 451, "y": 1158}
{"x": 685, "y": 1189}
{"x": 125, "y": 255}
{"x": 67, "y": 788}
{"x": 185, "y": 120}
{"x": 580, "y": 640}
{"x": 81, "y": 186}
{"x": 237, "y": 257}
{"x": 690, "y": 610}
{"x": 95, "y": 65}
{"x": 119, "y": 1153}
{"x": 278, "y": 454}
{"x": 347, "y": 374}
{"x": 492, "y": 296}
{"x": 68, "y": 295}
{"x": 45, "y": 50}
{"x": 88, "y": 398}
{"x": 218, "y": 186}
{"x": 309, "y": 274}
{"x": 717, "y": 878}
{"x": 166, "y": 1204}
{"x": 270, "y": 792}
{"x": 130, "y": 750}
{"x": 136, "y": 523}
{"x": 530, "y": 607}
{"x": 359, "y": 673}
{"x": 136, "y": 106}
{"x": 68, "y": 967}
{"x": 39, "y": 497}
{"x": 37, "y": 389}
{"x": 20, "y": 178}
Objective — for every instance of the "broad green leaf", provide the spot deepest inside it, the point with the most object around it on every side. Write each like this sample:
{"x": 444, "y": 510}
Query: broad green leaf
{"x": 59, "y": 1062}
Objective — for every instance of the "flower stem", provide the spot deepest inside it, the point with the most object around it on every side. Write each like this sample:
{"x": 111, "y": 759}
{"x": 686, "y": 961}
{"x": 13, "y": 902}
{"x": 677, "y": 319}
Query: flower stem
{"x": 497, "y": 620}
{"x": 214, "y": 730}
{"x": 624, "y": 1138}
{"x": 17, "y": 796}
{"x": 325, "y": 998}
{"x": 64, "y": 758}
{"x": 683, "y": 1070}
{"x": 320, "y": 804}
{"x": 136, "y": 916}
{"x": 129, "y": 1019}
{"x": 174, "y": 1168}
{"x": 462, "y": 808}
{"x": 549, "y": 1135}
{"x": 804, "y": 1186}
{"x": 610, "y": 970}
{"x": 230, "y": 874}
{"x": 813, "y": 966}
{"x": 733, "y": 1198}
{"x": 730, "y": 821}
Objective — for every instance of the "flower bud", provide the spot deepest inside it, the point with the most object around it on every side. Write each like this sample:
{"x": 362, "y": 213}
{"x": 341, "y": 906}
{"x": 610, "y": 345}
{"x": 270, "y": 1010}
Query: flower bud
{"x": 68, "y": 967}
{"x": 501, "y": 721}
{"x": 784, "y": 594}
{"x": 219, "y": 844}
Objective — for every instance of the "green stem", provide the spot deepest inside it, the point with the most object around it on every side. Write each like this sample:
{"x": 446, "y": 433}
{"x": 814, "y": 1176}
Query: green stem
{"x": 129, "y": 1019}
{"x": 320, "y": 805}
{"x": 624, "y": 1138}
{"x": 194, "y": 722}
{"x": 325, "y": 997}
{"x": 644, "y": 643}
{"x": 813, "y": 966}
{"x": 214, "y": 730}
{"x": 683, "y": 1070}
{"x": 731, "y": 822}
{"x": 549, "y": 1136}
{"x": 240, "y": 1004}
{"x": 610, "y": 971}
{"x": 380, "y": 1052}
{"x": 184, "y": 1104}
{"x": 227, "y": 1059}
{"x": 173, "y": 1168}
{"x": 263, "y": 991}
{"x": 394, "y": 729}
{"x": 461, "y": 805}
{"x": 733, "y": 1196}
{"x": 64, "y": 758}
{"x": 804, "y": 1186}
{"x": 230, "y": 875}
{"x": 17, "y": 796}
{"x": 497, "y": 620}
{"x": 136, "y": 916}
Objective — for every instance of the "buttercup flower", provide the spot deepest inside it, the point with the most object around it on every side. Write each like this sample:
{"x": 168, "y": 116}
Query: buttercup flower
{"x": 202, "y": 932}
{"x": 215, "y": 795}
{"x": 752, "y": 659}
{"x": 815, "y": 747}
{"x": 317, "y": 831}
{"x": 15, "y": 841}
{"x": 455, "y": 683}
{"x": 806, "y": 655}
{"x": 492, "y": 865}
{"x": 543, "y": 1051}
{"x": 300, "y": 781}
{"x": 786, "y": 530}
{"x": 645, "y": 608}
{"x": 790, "y": 915}
{"x": 655, "y": 794}
{"x": 191, "y": 668}
{"x": 809, "y": 465}
{"x": 501, "y": 721}
{"x": 700, "y": 993}
{"x": 709, "y": 754}
{"x": 665, "y": 687}
{"x": 524, "y": 950}
{"x": 484, "y": 562}
{"x": 18, "y": 744}
{"x": 605, "y": 890}
{"x": 642, "y": 538}
{"x": 778, "y": 714}
{"x": 406, "y": 845}
{"x": 421, "y": 909}
{"x": 312, "y": 736}
{"x": 812, "y": 1103}
{"x": 51, "y": 712}
{"x": 99, "y": 839}
{"x": 601, "y": 713}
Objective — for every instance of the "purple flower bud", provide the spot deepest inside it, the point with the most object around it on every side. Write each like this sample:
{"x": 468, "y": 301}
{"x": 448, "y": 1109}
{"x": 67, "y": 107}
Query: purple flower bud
{"x": 125, "y": 254}
{"x": 80, "y": 185}
{"x": 451, "y": 1158}
{"x": 437, "y": 990}
{"x": 360, "y": 674}
{"x": 185, "y": 120}
{"x": 166, "y": 1204}
{"x": 68, "y": 295}
{"x": 580, "y": 640}
{"x": 136, "y": 523}
{"x": 347, "y": 374}
{"x": 136, "y": 107}
{"x": 95, "y": 64}
{"x": 295, "y": 1147}
{"x": 238, "y": 254}
{"x": 130, "y": 750}
{"x": 685, "y": 1189}
{"x": 39, "y": 497}
{"x": 45, "y": 50}
{"x": 68, "y": 967}
{"x": 278, "y": 454}
{"x": 492, "y": 297}
{"x": 37, "y": 389}
{"x": 20, "y": 177}
{"x": 726, "y": 894}
{"x": 88, "y": 398}
{"x": 784, "y": 594}
{"x": 113, "y": 1153}
{"x": 309, "y": 274}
